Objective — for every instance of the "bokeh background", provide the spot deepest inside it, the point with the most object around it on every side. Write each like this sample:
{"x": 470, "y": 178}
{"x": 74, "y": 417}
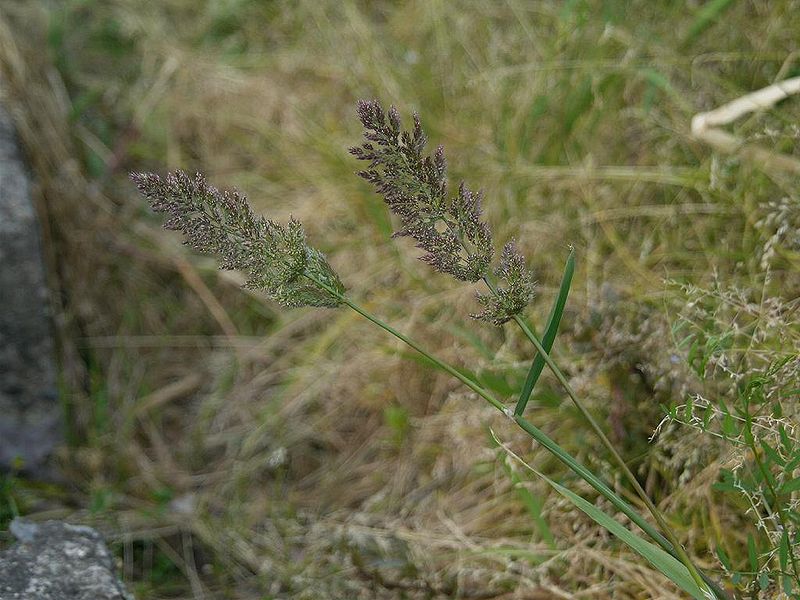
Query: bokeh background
{"x": 229, "y": 448}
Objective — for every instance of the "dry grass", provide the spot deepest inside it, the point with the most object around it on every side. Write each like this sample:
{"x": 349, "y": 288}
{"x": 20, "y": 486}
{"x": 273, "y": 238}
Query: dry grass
{"x": 231, "y": 450}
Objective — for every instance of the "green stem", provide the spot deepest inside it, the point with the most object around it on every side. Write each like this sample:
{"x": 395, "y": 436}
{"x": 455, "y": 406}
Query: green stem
{"x": 408, "y": 341}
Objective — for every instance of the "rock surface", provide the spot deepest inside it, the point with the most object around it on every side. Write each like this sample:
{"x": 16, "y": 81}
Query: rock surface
{"x": 31, "y": 422}
{"x": 57, "y": 561}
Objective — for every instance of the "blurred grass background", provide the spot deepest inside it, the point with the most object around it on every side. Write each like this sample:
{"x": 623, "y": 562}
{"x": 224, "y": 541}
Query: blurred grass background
{"x": 233, "y": 450}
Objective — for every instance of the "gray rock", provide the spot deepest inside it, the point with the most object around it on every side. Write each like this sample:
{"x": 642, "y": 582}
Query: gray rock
{"x": 57, "y": 561}
{"x": 30, "y": 415}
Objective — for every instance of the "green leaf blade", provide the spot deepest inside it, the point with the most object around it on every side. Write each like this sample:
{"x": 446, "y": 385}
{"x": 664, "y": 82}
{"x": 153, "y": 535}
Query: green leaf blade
{"x": 537, "y": 366}
{"x": 669, "y": 566}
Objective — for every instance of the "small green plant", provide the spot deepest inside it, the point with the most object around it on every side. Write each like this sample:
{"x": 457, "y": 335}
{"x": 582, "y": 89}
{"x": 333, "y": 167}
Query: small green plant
{"x": 449, "y": 228}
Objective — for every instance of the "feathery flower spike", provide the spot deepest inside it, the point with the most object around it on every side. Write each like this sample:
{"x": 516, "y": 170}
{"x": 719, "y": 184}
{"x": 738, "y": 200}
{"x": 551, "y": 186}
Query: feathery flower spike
{"x": 515, "y": 296}
{"x": 277, "y": 259}
{"x": 414, "y": 187}
{"x": 450, "y": 230}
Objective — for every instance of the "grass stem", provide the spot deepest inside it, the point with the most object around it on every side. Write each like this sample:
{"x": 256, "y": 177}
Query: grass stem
{"x": 474, "y": 386}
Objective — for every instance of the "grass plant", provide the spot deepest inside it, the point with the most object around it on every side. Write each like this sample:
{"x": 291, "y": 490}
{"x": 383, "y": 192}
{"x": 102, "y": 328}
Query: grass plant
{"x": 457, "y": 242}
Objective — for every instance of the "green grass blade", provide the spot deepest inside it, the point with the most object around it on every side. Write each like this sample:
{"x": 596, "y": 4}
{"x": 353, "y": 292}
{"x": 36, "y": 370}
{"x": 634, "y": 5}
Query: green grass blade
{"x": 598, "y": 484}
{"x": 601, "y": 487}
{"x": 537, "y": 366}
{"x": 670, "y": 566}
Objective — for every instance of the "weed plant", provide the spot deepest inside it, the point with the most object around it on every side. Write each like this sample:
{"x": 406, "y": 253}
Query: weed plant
{"x": 457, "y": 242}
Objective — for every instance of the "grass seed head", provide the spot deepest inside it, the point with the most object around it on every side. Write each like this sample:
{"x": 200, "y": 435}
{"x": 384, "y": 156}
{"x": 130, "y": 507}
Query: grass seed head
{"x": 277, "y": 259}
{"x": 414, "y": 186}
{"x": 449, "y": 229}
{"x": 517, "y": 293}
